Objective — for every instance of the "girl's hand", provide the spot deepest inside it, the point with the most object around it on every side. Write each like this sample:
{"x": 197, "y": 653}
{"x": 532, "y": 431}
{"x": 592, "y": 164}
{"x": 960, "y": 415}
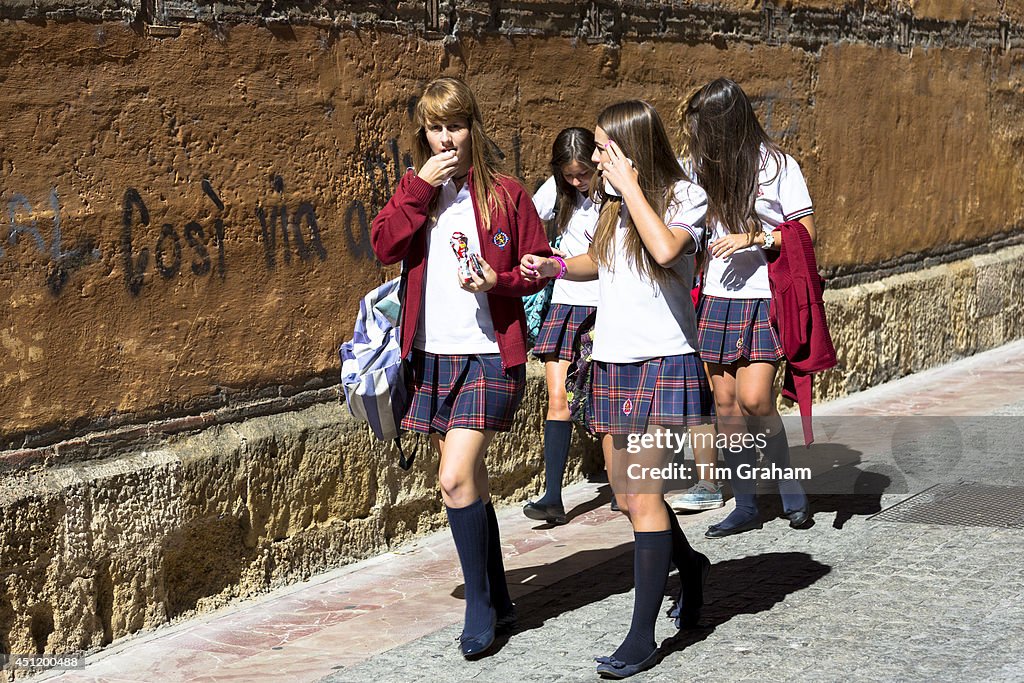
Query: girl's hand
{"x": 538, "y": 268}
{"x": 478, "y": 284}
{"x": 618, "y": 171}
{"x": 730, "y": 244}
{"x": 440, "y": 167}
{"x": 559, "y": 252}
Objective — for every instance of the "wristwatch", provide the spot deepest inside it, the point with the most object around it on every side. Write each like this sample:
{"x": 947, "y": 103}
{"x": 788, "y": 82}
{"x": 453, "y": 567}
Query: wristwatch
{"x": 769, "y": 240}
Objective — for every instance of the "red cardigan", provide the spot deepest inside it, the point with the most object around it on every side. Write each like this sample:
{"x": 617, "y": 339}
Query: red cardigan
{"x": 797, "y": 312}
{"x": 397, "y": 235}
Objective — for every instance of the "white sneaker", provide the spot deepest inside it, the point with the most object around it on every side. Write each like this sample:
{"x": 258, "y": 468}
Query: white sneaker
{"x": 700, "y": 496}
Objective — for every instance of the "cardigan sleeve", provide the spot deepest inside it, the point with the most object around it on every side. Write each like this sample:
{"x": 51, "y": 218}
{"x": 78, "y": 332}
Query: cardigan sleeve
{"x": 530, "y": 239}
{"x": 405, "y": 213}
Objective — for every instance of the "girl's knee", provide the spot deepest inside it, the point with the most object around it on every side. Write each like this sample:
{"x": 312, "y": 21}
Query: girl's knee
{"x": 756, "y": 406}
{"x": 558, "y": 405}
{"x": 452, "y": 482}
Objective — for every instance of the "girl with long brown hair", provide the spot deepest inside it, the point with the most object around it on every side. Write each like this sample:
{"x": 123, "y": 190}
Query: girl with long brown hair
{"x": 752, "y": 187}
{"x": 647, "y": 377}
{"x": 564, "y": 201}
{"x": 463, "y": 327}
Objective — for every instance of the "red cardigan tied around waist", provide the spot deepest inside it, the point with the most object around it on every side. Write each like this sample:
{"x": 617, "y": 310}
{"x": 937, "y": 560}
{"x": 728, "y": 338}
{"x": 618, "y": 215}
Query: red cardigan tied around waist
{"x": 797, "y": 312}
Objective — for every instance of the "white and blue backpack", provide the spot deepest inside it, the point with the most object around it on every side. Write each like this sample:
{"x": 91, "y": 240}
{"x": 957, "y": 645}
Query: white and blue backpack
{"x": 372, "y": 369}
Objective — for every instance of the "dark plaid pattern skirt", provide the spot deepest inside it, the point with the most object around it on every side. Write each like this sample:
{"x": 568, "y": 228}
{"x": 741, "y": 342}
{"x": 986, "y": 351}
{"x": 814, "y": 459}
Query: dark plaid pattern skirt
{"x": 559, "y": 330}
{"x": 469, "y": 392}
{"x": 730, "y": 329}
{"x": 625, "y": 398}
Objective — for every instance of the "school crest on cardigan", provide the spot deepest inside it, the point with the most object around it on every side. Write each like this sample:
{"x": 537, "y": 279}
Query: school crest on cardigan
{"x": 500, "y": 239}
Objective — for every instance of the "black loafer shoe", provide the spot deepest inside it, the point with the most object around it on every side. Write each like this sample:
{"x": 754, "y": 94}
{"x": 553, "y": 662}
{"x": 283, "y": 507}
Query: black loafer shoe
{"x": 552, "y": 514}
{"x": 609, "y": 667}
{"x": 474, "y": 646}
{"x": 718, "y": 531}
{"x": 799, "y": 519}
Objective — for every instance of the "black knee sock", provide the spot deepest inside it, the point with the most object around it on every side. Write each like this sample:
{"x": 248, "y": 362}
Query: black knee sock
{"x": 500, "y": 598}
{"x": 557, "y": 435}
{"x": 690, "y": 564}
{"x": 469, "y": 529}
{"x": 744, "y": 491}
{"x": 683, "y": 555}
{"x": 776, "y": 452}
{"x": 652, "y": 555}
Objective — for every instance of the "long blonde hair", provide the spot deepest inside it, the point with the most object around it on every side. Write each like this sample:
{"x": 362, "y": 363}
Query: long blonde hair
{"x": 637, "y": 129}
{"x": 449, "y": 98}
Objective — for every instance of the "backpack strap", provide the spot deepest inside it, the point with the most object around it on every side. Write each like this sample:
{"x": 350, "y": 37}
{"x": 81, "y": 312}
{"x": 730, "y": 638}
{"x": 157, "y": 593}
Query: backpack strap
{"x": 404, "y": 463}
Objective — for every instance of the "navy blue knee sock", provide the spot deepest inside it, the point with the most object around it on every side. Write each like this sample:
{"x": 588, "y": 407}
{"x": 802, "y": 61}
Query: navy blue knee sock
{"x": 683, "y": 555}
{"x": 652, "y": 556}
{"x": 469, "y": 529}
{"x": 557, "y": 435}
{"x": 776, "y": 451}
{"x": 500, "y": 598}
{"x": 744, "y": 491}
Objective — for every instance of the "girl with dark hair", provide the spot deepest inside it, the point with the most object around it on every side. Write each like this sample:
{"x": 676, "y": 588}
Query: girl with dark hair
{"x": 564, "y": 201}
{"x": 462, "y": 323}
{"x": 647, "y": 376}
{"x": 752, "y": 187}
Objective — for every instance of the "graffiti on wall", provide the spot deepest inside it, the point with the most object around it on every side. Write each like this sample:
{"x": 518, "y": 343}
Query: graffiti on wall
{"x": 194, "y": 245}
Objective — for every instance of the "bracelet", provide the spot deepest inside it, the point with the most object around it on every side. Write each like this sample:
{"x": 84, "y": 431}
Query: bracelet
{"x": 561, "y": 262}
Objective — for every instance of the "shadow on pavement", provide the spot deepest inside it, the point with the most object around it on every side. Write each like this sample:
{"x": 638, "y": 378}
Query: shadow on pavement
{"x": 593, "y": 575}
{"x": 746, "y": 586}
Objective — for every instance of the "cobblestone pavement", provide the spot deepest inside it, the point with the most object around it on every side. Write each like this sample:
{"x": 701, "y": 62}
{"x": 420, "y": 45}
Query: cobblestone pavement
{"x": 850, "y": 599}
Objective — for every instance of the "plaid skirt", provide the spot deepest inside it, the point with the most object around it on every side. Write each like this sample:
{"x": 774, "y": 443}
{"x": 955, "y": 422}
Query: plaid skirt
{"x": 559, "y": 330}
{"x": 730, "y": 329}
{"x": 468, "y": 392}
{"x": 625, "y": 398}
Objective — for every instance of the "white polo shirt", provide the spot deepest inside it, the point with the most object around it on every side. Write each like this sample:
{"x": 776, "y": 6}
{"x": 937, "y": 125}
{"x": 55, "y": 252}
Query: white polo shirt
{"x": 575, "y": 241}
{"x": 781, "y": 196}
{"x": 637, "y": 319}
{"x": 452, "y": 320}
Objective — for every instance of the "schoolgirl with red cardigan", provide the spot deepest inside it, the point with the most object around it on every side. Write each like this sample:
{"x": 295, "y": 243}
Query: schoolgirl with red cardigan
{"x": 465, "y": 337}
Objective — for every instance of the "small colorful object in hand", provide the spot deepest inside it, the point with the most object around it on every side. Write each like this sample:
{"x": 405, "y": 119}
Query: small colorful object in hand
{"x": 469, "y": 262}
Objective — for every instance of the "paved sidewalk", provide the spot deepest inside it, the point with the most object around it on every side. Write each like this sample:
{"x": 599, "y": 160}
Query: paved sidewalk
{"x": 850, "y": 599}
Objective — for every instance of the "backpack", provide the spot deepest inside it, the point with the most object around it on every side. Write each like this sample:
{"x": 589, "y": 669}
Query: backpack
{"x": 580, "y": 374}
{"x": 536, "y": 307}
{"x": 373, "y": 373}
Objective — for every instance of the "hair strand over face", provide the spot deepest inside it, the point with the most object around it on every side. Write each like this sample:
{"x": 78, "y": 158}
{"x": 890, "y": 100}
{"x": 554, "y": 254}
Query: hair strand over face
{"x": 723, "y": 141}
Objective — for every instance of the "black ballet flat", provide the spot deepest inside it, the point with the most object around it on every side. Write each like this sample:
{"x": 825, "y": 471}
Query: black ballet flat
{"x": 552, "y": 514}
{"x": 477, "y": 645}
{"x": 718, "y": 531}
{"x": 609, "y": 667}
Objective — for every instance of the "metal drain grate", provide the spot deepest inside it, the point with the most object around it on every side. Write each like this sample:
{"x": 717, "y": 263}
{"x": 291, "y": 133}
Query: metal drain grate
{"x": 963, "y": 504}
